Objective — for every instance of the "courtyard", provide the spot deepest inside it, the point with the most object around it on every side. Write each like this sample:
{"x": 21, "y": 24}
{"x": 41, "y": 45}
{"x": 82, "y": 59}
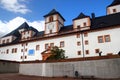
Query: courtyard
{"x": 12, "y": 76}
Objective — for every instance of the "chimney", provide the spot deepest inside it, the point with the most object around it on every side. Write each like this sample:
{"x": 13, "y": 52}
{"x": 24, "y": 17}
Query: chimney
{"x": 93, "y": 15}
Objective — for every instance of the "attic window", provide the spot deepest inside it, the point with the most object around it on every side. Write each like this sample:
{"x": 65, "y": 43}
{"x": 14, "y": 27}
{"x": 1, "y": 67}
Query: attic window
{"x": 78, "y": 27}
{"x": 84, "y": 24}
{"x": 114, "y": 10}
{"x": 51, "y": 19}
{"x": 3, "y": 41}
{"x": 7, "y": 40}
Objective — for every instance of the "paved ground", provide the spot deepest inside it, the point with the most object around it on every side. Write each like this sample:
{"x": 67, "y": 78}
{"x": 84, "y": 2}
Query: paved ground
{"x": 22, "y": 77}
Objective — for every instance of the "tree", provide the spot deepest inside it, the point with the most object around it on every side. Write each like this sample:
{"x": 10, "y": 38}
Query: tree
{"x": 57, "y": 54}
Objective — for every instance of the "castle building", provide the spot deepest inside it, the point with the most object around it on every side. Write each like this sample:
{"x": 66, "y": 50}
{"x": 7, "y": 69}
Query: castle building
{"x": 86, "y": 37}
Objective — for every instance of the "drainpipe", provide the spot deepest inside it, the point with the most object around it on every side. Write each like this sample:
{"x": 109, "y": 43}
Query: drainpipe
{"x": 83, "y": 45}
{"x": 23, "y": 52}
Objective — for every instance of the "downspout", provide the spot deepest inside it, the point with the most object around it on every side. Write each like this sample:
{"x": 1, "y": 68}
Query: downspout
{"x": 83, "y": 45}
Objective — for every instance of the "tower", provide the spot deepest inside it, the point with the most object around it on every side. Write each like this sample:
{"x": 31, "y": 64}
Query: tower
{"x": 53, "y": 22}
{"x": 114, "y": 7}
{"x": 82, "y": 22}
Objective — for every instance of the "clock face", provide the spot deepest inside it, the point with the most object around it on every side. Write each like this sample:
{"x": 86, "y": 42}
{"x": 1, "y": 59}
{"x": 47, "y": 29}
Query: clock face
{"x": 50, "y": 26}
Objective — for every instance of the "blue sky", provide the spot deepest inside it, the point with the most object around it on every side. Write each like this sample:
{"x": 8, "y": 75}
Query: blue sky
{"x": 32, "y": 11}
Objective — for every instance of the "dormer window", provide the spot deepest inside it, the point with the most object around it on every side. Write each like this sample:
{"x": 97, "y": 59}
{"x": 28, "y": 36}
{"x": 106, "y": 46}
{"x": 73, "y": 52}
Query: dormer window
{"x": 7, "y": 40}
{"x": 3, "y": 41}
{"x": 84, "y": 24}
{"x": 114, "y": 10}
{"x": 78, "y": 27}
{"x": 114, "y": 7}
{"x": 50, "y": 31}
{"x": 51, "y": 19}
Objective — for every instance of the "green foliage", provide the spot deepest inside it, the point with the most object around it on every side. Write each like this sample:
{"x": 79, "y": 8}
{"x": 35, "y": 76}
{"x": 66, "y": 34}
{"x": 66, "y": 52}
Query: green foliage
{"x": 57, "y": 54}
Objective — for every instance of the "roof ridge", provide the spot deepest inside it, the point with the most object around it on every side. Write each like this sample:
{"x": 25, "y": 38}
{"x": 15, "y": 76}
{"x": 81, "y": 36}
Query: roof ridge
{"x": 115, "y": 2}
{"x": 81, "y": 15}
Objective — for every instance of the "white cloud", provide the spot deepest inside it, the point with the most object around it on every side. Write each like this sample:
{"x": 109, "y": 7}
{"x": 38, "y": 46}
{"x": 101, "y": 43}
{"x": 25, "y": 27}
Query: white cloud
{"x": 16, "y": 6}
{"x": 6, "y": 27}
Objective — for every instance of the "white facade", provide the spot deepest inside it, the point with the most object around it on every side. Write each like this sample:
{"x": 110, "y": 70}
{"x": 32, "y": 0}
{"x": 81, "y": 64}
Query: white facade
{"x": 7, "y": 39}
{"x": 91, "y": 39}
{"x": 113, "y": 9}
{"x": 71, "y": 48}
{"x": 27, "y": 34}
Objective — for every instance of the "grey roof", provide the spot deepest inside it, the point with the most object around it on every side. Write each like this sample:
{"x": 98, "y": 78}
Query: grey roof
{"x": 16, "y": 32}
{"x": 96, "y": 23}
{"x": 106, "y": 21}
{"x": 52, "y": 12}
{"x": 115, "y": 2}
{"x": 80, "y": 16}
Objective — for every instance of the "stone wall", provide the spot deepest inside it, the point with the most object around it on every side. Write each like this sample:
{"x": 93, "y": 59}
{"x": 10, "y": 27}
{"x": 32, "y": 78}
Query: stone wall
{"x": 9, "y": 67}
{"x": 105, "y": 68}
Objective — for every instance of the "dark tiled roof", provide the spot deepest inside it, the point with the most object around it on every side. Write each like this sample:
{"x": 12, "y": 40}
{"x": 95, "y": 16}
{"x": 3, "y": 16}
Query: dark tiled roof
{"x": 96, "y": 23}
{"x": 80, "y": 16}
{"x": 66, "y": 28}
{"x": 54, "y": 12}
{"x": 18, "y": 35}
{"x": 16, "y": 32}
{"x": 106, "y": 21}
{"x": 40, "y": 34}
{"x": 115, "y": 2}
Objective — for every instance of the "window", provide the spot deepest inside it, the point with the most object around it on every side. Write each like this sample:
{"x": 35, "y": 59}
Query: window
{"x": 78, "y": 27}
{"x": 7, "y": 40}
{"x": 78, "y": 43}
{"x": 21, "y": 50}
{"x": 51, "y": 44}
{"x": 37, "y": 47}
{"x": 28, "y": 37}
{"x": 85, "y": 34}
{"x": 114, "y": 10}
{"x": 79, "y": 52}
{"x": 22, "y": 44}
{"x": 15, "y": 50}
{"x": 100, "y": 39}
{"x": 26, "y": 44}
{"x": 50, "y": 18}
{"x": 97, "y": 50}
{"x": 84, "y": 24}
{"x": 107, "y": 38}
{"x": 78, "y": 35}
{"x": 87, "y": 51}
{"x": 62, "y": 44}
{"x": 46, "y": 46}
{"x": 21, "y": 57}
{"x": 7, "y": 51}
{"x": 50, "y": 31}
{"x": 25, "y": 57}
{"x": 3, "y": 41}
{"x": 26, "y": 49}
{"x": 86, "y": 42}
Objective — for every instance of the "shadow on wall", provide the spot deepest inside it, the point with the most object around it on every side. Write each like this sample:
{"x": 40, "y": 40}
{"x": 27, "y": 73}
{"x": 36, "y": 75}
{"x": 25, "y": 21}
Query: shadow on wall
{"x": 9, "y": 67}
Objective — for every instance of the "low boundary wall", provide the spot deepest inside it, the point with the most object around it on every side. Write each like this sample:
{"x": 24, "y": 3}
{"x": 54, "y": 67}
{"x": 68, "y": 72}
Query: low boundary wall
{"x": 9, "y": 66}
{"x": 100, "y": 67}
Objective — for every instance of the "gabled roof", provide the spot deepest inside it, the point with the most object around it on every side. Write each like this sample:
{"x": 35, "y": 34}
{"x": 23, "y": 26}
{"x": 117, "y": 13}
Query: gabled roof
{"x": 80, "y": 16}
{"x": 115, "y": 2}
{"x": 16, "y": 32}
{"x": 52, "y": 12}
